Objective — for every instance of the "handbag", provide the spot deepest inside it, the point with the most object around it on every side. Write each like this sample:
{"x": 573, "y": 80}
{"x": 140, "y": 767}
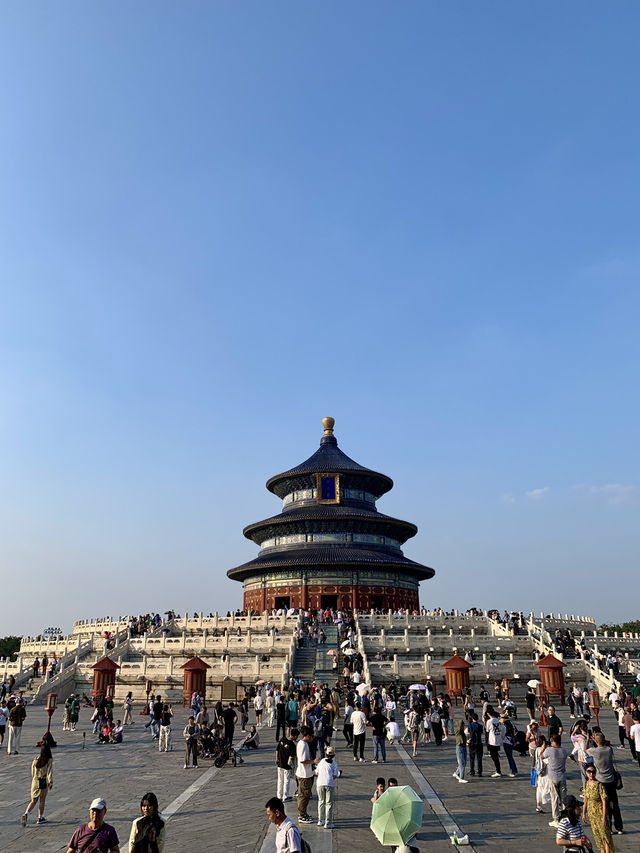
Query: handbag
{"x": 42, "y": 783}
{"x": 617, "y": 777}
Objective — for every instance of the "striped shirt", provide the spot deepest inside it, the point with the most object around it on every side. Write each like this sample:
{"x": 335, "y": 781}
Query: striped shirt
{"x": 570, "y": 831}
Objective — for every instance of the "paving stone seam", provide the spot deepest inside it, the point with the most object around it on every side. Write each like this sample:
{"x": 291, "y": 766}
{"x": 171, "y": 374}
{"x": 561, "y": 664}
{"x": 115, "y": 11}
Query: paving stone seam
{"x": 438, "y": 807}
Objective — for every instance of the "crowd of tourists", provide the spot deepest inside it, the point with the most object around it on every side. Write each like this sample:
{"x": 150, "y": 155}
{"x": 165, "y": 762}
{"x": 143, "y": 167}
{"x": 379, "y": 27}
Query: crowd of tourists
{"x": 307, "y": 722}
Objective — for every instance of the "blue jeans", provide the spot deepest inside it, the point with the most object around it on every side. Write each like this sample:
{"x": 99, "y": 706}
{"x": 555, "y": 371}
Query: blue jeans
{"x": 508, "y": 751}
{"x": 379, "y": 744}
{"x": 461, "y": 756}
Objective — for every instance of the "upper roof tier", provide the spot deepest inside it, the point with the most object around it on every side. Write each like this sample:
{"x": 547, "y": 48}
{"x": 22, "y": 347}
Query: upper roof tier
{"x": 329, "y": 459}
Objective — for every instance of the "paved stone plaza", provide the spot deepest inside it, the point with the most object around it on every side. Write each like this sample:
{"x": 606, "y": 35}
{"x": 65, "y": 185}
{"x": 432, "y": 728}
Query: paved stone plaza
{"x": 223, "y": 810}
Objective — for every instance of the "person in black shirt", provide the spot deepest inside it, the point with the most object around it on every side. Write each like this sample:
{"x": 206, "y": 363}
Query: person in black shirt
{"x": 378, "y": 721}
{"x": 530, "y": 699}
{"x": 554, "y": 723}
{"x": 157, "y": 718}
{"x": 281, "y": 718}
{"x": 230, "y": 719}
{"x": 285, "y": 755}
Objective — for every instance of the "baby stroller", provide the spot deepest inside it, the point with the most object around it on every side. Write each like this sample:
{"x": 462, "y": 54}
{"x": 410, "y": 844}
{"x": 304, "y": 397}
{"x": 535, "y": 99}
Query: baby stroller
{"x": 226, "y": 753}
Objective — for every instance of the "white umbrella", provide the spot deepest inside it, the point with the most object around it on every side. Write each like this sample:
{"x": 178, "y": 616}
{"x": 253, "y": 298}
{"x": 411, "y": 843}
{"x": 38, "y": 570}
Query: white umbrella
{"x": 349, "y": 652}
{"x": 533, "y": 683}
{"x": 345, "y": 644}
{"x": 417, "y": 687}
{"x": 259, "y": 682}
{"x": 362, "y": 689}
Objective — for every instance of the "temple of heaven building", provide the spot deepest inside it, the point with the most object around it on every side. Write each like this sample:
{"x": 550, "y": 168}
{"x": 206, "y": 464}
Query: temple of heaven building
{"x": 330, "y": 547}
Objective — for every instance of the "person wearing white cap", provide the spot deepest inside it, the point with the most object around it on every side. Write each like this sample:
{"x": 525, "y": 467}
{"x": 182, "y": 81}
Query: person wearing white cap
{"x": 326, "y": 772}
{"x": 95, "y": 836}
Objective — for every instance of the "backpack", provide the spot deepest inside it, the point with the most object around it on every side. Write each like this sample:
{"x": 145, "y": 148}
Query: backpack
{"x": 318, "y": 727}
{"x": 435, "y": 716}
{"x": 304, "y": 845}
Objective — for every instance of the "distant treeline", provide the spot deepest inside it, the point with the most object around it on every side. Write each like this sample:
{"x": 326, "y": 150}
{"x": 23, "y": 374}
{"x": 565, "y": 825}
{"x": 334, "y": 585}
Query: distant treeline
{"x": 626, "y": 627}
{"x": 9, "y": 646}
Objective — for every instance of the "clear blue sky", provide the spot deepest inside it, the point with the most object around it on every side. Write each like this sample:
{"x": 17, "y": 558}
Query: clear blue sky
{"x": 221, "y": 221}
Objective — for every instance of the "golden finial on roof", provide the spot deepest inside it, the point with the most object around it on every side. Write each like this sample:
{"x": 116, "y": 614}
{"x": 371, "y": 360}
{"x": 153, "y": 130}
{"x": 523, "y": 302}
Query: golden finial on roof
{"x": 328, "y": 424}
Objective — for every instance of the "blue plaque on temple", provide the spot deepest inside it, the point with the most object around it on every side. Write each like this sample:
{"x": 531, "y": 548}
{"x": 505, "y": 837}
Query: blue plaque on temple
{"x": 328, "y": 488}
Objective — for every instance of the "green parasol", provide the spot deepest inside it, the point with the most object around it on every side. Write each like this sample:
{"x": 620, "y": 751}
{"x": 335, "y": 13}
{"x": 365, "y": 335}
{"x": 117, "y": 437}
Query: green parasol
{"x": 397, "y": 815}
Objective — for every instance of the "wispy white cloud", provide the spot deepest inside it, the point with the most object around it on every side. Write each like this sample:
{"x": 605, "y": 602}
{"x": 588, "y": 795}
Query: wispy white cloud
{"x": 612, "y": 493}
{"x": 538, "y": 494}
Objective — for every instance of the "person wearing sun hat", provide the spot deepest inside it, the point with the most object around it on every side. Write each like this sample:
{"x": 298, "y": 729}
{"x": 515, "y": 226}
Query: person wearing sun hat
{"x": 96, "y": 836}
{"x": 326, "y": 772}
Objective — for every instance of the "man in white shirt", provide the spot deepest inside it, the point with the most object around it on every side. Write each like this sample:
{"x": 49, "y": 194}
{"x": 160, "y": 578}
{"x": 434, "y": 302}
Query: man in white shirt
{"x": 393, "y": 731}
{"x": 287, "y": 833}
{"x": 258, "y": 705}
{"x": 359, "y": 723}
{"x": 304, "y": 773}
{"x": 495, "y": 739}
{"x": 356, "y": 678}
{"x": 634, "y": 735}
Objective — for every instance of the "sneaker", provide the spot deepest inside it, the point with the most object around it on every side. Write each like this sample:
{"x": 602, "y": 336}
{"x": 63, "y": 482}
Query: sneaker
{"x": 455, "y": 775}
{"x": 23, "y": 819}
{"x": 186, "y": 766}
{"x": 361, "y": 759}
{"x": 495, "y": 775}
{"x": 320, "y": 823}
{"x": 355, "y": 758}
{"x": 41, "y": 819}
{"x": 374, "y": 760}
{"x": 539, "y": 810}
{"x": 554, "y": 824}
{"x": 328, "y": 826}
{"x": 306, "y": 819}
{"x": 619, "y": 831}
{"x": 621, "y": 747}
{"x": 512, "y": 775}
{"x": 463, "y": 781}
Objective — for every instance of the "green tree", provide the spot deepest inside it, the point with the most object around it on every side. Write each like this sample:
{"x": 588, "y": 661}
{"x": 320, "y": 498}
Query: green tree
{"x": 9, "y": 646}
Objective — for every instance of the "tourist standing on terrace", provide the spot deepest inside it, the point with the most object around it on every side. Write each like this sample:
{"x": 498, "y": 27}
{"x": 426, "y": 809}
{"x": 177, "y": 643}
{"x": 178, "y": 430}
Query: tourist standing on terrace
{"x": 495, "y": 738}
{"x": 595, "y": 808}
{"x": 326, "y": 772}
{"x": 258, "y": 706}
{"x": 359, "y": 723}
{"x": 230, "y": 719}
{"x": 475, "y": 745}
{"x": 164, "y": 743}
{"x": 530, "y": 700}
{"x": 126, "y": 707}
{"x": 555, "y": 758}
{"x": 304, "y": 773}
{"x": 4, "y": 716}
{"x": 605, "y": 772}
{"x": 95, "y": 836}
{"x": 191, "y": 734}
{"x": 287, "y": 833}
{"x": 281, "y": 718}
{"x": 270, "y": 708}
{"x": 41, "y": 784}
{"x": 148, "y": 832}
{"x": 285, "y": 755}
{"x": 463, "y": 737}
{"x": 17, "y": 716}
